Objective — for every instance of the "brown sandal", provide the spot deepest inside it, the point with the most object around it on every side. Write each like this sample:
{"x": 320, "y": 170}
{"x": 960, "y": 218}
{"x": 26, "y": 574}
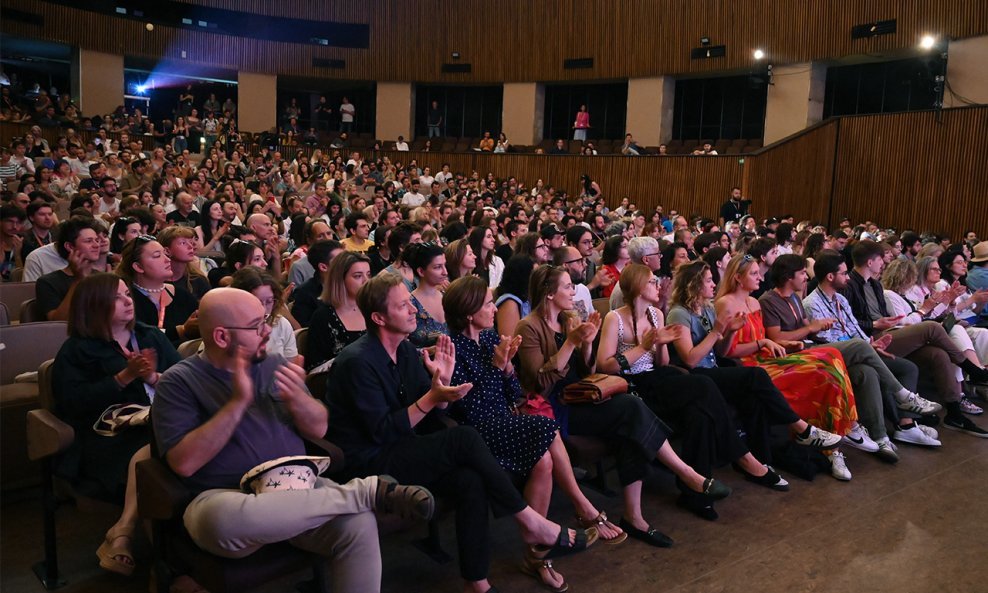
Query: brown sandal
{"x": 110, "y": 552}
{"x": 533, "y": 566}
{"x": 601, "y": 521}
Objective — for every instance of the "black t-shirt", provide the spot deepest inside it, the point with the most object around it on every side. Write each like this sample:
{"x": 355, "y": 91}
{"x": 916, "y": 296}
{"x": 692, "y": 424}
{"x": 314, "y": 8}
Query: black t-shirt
{"x": 732, "y": 210}
{"x": 504, "y": 252}
{"x": 435, "y": 116}
{"x": 50, "y": 291}
{"x": 177, "y": 217}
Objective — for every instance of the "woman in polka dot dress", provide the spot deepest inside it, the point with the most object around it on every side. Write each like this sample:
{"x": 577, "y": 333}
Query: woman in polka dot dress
{"x": 528, "y": 446}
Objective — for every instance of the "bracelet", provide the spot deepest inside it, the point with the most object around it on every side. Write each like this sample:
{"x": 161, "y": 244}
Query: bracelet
{"x": 416, "y": 402}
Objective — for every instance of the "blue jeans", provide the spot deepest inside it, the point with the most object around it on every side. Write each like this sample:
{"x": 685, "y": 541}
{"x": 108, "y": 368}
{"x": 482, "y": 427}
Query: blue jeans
{"x": 434, "y": 131}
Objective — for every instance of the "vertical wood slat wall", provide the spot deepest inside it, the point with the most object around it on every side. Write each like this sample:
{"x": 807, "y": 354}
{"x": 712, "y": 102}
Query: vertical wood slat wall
{"x": 522, "y": 40}
{"x": 919, "y": 170}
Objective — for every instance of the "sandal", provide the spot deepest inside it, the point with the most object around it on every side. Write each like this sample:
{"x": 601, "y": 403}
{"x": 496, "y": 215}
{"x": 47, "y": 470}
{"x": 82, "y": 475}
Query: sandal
{"x": 563, "y": 545}
{"x": 533, "y": 567}
{"x": 601, "y": 521}
{"x": 109, "y": 554}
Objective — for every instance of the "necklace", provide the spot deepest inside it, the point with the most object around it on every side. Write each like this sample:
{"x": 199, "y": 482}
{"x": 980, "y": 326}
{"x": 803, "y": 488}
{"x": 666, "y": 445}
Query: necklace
{"x": 149, "y": 290}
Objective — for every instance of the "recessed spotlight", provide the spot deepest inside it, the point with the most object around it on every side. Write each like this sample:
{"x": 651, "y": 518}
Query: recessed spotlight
{"x": 927, "y": 42}
{"x": 758, "y": 54}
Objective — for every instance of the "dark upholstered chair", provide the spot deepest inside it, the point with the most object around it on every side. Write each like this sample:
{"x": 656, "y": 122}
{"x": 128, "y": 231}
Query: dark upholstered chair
{"x": 161, "y": 500}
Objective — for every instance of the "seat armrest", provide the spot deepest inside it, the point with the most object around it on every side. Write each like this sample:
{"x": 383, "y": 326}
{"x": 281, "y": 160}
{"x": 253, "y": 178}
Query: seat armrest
{"x": 161, "y": 495}
{"x": 334, "y": 452}
{"x": 46, "y": 435}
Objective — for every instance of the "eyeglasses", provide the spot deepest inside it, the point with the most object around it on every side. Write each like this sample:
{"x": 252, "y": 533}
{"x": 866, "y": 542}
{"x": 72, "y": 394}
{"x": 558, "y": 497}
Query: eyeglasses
{"x": 142, "y": 239}
{"x": 259, "y": 328}
{"x": 658, "y": 253}
{"x": 748, "y": 258}
{"x": 573, "y": 261}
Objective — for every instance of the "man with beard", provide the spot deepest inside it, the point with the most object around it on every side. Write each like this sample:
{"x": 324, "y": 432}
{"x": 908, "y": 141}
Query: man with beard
{"x": 569, "y": 257}
{"x": 78, "y": 243}
{"x": 219, "y": 414}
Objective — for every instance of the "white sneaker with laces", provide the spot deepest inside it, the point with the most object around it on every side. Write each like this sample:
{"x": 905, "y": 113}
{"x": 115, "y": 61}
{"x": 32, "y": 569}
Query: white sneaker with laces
{"x": 969, "y": 407}
{"x": 819, "y": 438}
{"x": 916, "y": 436}
{"x": 886, "y": 450}
{"x": 912, "y": 402}
{"x": 859, "y": 439}
{"x": 838, "y": 467}
{"x": 929, "y": 431}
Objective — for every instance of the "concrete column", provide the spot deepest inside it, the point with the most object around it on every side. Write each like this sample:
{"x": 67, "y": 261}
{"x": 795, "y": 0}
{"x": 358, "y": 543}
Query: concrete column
{"x": 523, "y": 112}
{"x": 97, "y": 81}
{"x": 395, "y": 111}
{"x": 966, "y": 72}
{"x": 650, "y": 102}
{"x": 257, "y": 101}
{"x": 795, "y": 99}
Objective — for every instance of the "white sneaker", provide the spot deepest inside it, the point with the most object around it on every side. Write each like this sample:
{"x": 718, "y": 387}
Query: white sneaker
{"x": 819, "y": 439}
{"x": 886, "y": 450}
{"x": 838, "y": 467}
{"x": 859, "y": 439}
{"x": 917, "y": 436}
{"x": 917, "y": 405}
{"x": 929, "y": 431}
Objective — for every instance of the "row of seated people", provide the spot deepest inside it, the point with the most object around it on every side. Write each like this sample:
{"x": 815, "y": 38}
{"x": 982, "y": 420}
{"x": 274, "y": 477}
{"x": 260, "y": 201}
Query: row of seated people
{"x": 379, "y": 389}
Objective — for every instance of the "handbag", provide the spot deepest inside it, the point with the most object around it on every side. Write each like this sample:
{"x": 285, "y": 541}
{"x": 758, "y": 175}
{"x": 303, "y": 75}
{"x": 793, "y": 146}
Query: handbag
{"x": 119, "y": 417}
{"x": 594, "y": 389}
{"x": 534, "y": 404}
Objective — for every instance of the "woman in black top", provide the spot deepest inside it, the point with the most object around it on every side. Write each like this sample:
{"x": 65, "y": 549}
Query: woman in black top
{"x": 107, "y": 360}
{"x": 337, "y": 322}
{"x": 147, "y": 269}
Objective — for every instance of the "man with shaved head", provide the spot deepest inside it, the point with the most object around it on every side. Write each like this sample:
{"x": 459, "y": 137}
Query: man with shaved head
{"x": 219, "y": 414}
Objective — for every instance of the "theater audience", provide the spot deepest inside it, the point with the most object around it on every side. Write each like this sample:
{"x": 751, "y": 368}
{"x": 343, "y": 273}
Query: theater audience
{"x": 557, "y": 350}
{"x": 379, "y": 391}
{"x": 814, "y": 382}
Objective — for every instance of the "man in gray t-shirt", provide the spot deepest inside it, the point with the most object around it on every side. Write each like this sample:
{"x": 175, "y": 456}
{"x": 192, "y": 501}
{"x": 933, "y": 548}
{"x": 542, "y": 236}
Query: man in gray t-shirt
{"x": 221, "y": 413}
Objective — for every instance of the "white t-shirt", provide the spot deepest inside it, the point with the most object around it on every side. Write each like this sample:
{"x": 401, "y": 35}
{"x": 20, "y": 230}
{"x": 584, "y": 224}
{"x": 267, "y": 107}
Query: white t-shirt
{"x": 282, "y": 339}
{"x": 426, "y": 180}
{"x": 412, "y": 199}
{"x": 443, "y": 177}
{"x": 347, "y": 112}
{"x": 583, "y": 302}
{"x": 402, "y": 146}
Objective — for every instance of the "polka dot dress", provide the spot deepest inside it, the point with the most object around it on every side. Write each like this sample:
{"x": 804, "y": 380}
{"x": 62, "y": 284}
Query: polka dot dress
{"x": 517, "y": 442}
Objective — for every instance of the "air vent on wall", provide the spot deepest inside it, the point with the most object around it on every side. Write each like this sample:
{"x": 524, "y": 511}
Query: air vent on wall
{"x": 329, "y": 63}
{"x": 457, "y": 68}
{"x": 20, "y": 16}
{"x": 710, "y": 51}
{"x": 577, "y": 63}
{"x": 873, "y": 29}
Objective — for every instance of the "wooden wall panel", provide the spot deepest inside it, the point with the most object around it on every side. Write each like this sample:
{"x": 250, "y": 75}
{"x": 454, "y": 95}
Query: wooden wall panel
{"x": 923, "y": 170}
{"x": 525, "y": 41}
{"x": 794, "y": 176}
{"x": 920, "y": 170}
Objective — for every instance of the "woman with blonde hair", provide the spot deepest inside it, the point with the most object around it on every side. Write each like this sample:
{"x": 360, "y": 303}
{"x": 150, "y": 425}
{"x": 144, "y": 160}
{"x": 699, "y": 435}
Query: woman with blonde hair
{"x": 337, "y": 321}
{"x": 814, "y": 382}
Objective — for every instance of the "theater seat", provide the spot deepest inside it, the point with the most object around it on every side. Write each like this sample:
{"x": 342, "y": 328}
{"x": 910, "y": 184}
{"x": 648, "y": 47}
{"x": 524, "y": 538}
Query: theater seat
{"x": 26, "y": 347}
{"x": 162, "y": 498}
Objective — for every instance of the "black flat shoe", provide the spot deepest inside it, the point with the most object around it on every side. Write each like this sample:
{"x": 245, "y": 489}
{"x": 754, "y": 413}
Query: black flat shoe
{"x": 771, "y": 479}
{"x": 652, "y": 537}
{"x": 698, "y": 505}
